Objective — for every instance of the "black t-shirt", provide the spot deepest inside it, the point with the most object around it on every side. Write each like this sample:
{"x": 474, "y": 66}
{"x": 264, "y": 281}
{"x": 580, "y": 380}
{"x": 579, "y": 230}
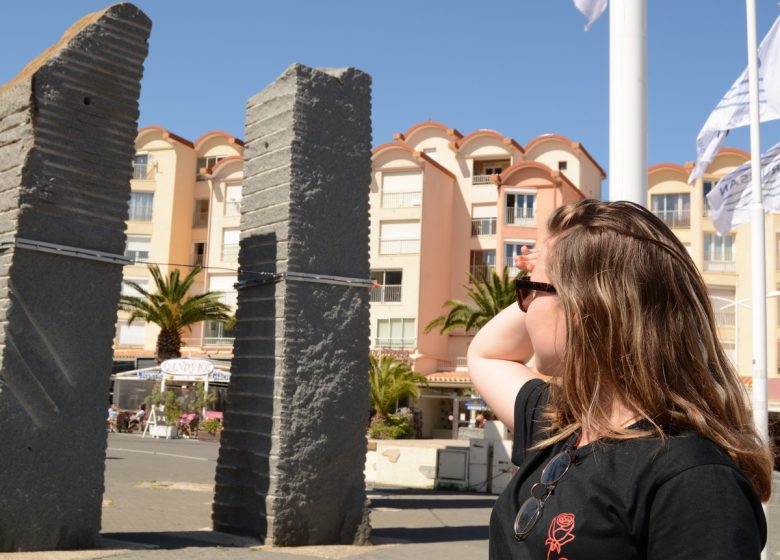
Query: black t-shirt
{"x": 624, "y": 500}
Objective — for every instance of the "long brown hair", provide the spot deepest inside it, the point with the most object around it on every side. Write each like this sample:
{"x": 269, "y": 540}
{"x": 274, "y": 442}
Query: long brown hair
{"x": 641, "y": 330}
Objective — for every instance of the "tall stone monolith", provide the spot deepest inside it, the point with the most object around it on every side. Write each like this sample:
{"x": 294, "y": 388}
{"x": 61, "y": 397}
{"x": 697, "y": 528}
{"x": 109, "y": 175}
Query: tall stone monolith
{"x": 293, "y": 451}
{"x": 67, "y": 131}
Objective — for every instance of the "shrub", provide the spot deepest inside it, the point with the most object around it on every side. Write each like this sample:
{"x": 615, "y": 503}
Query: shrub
{"x": 212, "y": 426}
{"x": 392, "y": 427}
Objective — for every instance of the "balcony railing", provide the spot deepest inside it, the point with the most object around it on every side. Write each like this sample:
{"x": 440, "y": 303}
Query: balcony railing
{"x": 394, "y": 342}
{"x": 137, "y": 256}
{"x": 520, "y": 216}
{"x": 401, "y": 199}
{"x": 398, "y": 246}
{"x": 675, "y": 218}
{"x": 230, "y": 251}
{"x": 198, "y": 260}
{"x": 724, "y": 317}
{"x": 458, "y": 364}
{"x": 217, "y": 341}
{"x": 141, "y": 171}
{"x": 483, "y": 226}
{"x": 386, "y": 294}
{"x": 201, "y": 219}
{"x": 480, "y": 179}
{"x": 481, "y": 271}
{"x": 720, "y": 266}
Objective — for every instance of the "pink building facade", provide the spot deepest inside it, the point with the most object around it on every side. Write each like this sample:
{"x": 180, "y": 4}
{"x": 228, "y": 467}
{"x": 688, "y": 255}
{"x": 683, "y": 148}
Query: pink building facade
{"x": 443, "y": 205}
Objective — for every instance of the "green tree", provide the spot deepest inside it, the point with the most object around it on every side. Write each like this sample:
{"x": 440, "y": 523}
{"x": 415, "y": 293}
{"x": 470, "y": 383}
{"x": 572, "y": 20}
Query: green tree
{"x": 170, "y": 308}
{"x": 490, "y": 296}
{"x": 390, "y": 382}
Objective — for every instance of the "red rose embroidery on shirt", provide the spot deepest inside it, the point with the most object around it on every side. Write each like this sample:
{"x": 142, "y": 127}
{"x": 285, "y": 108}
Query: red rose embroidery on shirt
{"x": 561, "y": 532}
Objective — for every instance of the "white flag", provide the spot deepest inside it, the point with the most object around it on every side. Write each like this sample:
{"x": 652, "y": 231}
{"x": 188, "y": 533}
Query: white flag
{"x": 733, "y": 110}
{"x": 592, "y": 10}
{"x": 730, "y": 199}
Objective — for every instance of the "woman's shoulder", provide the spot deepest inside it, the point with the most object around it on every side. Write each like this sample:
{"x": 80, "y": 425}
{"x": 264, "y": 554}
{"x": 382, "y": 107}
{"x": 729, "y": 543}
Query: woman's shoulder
{"x": 674, "y": 454}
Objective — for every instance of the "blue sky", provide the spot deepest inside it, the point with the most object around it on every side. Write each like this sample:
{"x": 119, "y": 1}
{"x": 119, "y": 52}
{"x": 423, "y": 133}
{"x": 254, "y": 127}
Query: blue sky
{"x": 522, "y": 67}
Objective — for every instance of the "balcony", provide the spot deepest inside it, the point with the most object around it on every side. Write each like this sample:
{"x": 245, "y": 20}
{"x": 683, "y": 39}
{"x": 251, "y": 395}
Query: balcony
{"x": 201, "y": 219}
{"x": 401, "y": 199}
{"x": 217, "y": 341}
{"x": 525, "y": 217}
{"x": 398, "y": 246}
{"x": 481, "y": 271}
{"x": 394, "y": 342}
{"x": 142, "y": 171}
{"x": 720, "y": 266}
{"x": 386, "y": 294}
{"x": 483, "y": 226}
{"x": 137, "y": 256}
{"x": 458, "y": 364}
{"x": 481, "y": 179}
{"x": 675, "y": 218}
{"x": 230, "y": 252}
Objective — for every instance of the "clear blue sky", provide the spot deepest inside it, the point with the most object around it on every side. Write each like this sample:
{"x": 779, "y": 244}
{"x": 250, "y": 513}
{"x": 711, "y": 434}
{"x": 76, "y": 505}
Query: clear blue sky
{"x": 522, "y": 67}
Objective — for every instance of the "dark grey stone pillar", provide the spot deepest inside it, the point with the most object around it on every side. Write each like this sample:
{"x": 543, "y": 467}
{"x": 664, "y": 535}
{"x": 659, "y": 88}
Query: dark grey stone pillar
{"x": 67, "y": 133}
{"x": 293, "y": 451}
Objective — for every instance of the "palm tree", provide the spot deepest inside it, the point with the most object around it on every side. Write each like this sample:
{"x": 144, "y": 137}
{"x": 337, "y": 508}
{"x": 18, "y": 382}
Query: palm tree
{"x": 171, "y": 309}
{"x": 490, "y": 296}
{"x": 391, "y": 381}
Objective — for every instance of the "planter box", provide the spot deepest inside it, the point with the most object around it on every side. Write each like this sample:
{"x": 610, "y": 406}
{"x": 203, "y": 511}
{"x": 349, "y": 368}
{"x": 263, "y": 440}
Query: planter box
{"x": 203, "y": 435}
{"x": 167, "y": 432}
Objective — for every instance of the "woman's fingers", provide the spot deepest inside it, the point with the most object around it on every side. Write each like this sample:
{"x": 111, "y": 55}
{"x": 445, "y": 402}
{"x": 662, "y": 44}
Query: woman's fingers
{"x": 526, "y": 260}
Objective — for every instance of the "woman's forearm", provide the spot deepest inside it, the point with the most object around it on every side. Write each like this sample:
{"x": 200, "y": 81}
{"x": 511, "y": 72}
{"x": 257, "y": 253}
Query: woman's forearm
{"x": 496, "y": 361}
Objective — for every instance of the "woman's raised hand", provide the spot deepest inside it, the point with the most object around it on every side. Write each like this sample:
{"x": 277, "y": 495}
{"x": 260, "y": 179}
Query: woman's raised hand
{"x": 526, "y": 260}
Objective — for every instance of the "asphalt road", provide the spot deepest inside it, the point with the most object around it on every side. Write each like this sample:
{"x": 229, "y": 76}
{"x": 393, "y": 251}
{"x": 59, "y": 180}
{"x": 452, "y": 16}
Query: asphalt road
{"x": 157, "y": 505}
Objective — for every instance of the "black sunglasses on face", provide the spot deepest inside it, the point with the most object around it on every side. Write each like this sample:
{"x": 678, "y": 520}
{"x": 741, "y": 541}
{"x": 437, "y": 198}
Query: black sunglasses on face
{"x": 526, "y": 291}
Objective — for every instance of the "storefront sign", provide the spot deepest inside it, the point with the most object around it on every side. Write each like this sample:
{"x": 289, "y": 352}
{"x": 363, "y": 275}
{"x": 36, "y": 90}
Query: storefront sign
{"x": 183, "y": 369}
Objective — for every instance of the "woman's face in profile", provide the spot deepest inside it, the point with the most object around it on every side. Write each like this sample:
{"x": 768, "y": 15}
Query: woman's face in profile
{"x": 546, "y": 322}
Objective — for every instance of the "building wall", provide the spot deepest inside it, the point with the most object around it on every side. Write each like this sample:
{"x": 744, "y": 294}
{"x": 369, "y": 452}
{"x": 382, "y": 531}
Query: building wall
{"x": 173, "y": 179}
{"x": 734, "y": 313}
{"x": 447, "y": 255}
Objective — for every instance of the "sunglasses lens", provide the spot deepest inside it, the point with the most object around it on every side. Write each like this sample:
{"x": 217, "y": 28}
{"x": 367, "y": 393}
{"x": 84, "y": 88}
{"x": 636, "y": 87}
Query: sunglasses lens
{"x": 556, "y": 468}
{"x": 526, "y": 518}
{"x": 522, "y": 296}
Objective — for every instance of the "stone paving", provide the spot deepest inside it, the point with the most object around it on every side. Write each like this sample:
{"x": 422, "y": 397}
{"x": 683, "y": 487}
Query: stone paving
{"x": 158, "y": 505}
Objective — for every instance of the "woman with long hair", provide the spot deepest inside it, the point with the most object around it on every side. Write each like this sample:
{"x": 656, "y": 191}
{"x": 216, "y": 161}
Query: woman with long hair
{"x": 632, "y": 432}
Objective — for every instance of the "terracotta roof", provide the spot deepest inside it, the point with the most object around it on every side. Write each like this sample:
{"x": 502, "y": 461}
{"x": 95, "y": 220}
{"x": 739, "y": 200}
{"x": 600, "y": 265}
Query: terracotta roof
{"x": 486, "y": 132}
{"x": 230, "y": 138}
{"x": 167, "y": 134}
{"x": 449, "y": 377}
{"x": 414, "y": 153}
{"x": 573, "y": 145}
{"x": 425, "y": 124}
{"x": 772, "y": 386}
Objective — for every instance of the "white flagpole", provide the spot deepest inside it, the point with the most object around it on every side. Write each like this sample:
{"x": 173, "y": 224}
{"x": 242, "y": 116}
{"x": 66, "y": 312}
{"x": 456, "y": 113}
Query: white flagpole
{"x": 758, "y": 242}
{"x": 757, "y": 235}
{"x": 628, "y": 100}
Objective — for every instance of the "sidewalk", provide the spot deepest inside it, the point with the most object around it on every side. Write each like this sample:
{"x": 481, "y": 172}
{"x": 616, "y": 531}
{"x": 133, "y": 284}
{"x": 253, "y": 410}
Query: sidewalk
{"x": 158, "y": 505}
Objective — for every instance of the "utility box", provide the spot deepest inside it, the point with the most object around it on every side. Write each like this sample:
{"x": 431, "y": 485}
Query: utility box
{"x": 479, "y": 465}
{"x": 501, "y": 466}
{"x": 452, "y": 468}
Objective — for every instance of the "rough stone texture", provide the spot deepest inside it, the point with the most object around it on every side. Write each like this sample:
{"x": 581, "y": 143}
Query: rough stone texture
{"x": 67, "y": 133}
{"x": 293, "y": 451}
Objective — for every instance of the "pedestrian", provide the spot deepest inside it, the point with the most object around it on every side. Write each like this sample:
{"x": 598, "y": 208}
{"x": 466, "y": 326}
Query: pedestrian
{"x": 112, "y": 416}
{"x": 138, "y": 418}
{"x": 632, "y": 434}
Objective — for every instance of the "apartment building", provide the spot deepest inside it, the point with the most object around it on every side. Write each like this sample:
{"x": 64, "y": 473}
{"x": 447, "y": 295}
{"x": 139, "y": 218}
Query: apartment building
{"x": 184, "y": 211}
{"x": 444, "y": 204}
{"x": 725, "y": 261}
